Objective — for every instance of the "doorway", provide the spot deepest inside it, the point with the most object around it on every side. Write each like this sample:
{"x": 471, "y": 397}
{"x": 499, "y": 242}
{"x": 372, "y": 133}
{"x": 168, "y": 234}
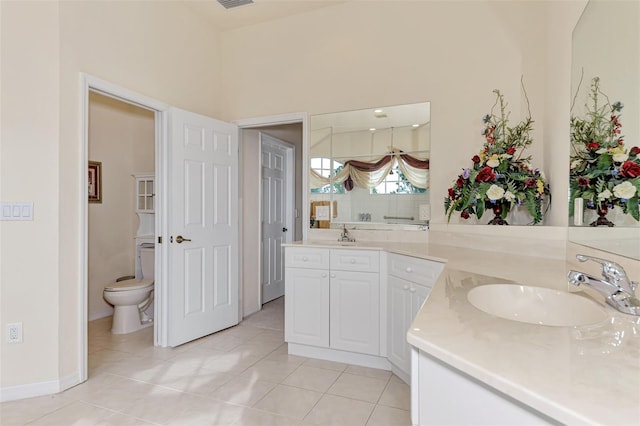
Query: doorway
{"x": 291, "y": 128}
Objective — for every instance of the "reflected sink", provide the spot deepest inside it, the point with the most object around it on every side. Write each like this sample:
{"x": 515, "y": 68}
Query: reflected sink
{"x": 535, "y": 305}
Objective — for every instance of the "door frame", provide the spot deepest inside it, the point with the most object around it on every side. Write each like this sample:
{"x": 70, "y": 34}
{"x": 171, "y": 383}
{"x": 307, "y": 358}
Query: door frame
{"x": 276, "y": 120}
{"x": 290, "y": 191}
{"x": 90, "y": 83}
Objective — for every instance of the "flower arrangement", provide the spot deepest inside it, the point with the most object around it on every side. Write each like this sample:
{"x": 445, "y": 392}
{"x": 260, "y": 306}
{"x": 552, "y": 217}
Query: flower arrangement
{"x": 602, "y": 171}
{"x": 500, "y": 177}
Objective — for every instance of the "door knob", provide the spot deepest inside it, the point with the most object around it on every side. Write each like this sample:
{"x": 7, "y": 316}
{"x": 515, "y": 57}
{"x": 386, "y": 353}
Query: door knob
{"x": 180, "y": 239}
{"x": 284, "y": 229}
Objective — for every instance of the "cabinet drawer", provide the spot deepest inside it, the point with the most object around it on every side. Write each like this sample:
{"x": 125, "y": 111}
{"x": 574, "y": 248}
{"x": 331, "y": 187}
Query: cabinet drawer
{"x": 311, "y": 258}
{"x": 419, "y": 271}
{"x": 355, "y": 260}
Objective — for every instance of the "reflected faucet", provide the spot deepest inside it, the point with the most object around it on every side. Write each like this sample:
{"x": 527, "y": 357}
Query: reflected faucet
{"x": 345, "y": 237}
{"x": 614, "y": 285}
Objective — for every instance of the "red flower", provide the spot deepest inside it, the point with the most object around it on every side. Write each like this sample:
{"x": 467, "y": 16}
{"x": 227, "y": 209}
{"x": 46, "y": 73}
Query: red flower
{"x": 511, "y": 150}
{"x": 452, "y": 194}
{"x": 634, "y": 151}
{"x": 630, "y": 169}
{"x": 583, "y": 182}
{"x": 475, "y": 159}
{"x": 465, "y": 214}
{"x": 460, "y": 182}
{"x": 593, "y": 146}
{"x": 530, "y": 183}
{"x": 486, "y": 175}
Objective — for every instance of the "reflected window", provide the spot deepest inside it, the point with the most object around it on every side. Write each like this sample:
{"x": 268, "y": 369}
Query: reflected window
{"x": 396, "y": 183}
{"x": 327, "y": 168}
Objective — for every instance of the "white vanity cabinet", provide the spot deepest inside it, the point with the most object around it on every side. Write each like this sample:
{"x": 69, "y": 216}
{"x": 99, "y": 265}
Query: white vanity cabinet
{"x": 355, "y": 301}
{"x": 332, "y": 299}
{"x": 409, "y": 283}
{"x": 307, "y": 296}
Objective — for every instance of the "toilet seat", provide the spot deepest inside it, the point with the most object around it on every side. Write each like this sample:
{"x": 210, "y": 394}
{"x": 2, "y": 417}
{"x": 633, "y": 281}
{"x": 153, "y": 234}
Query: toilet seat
{"x": 128, "y": 285}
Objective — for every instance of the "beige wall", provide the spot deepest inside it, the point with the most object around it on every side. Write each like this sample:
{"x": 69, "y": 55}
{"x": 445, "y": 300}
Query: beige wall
{"x": 29, "y": 172}
{"x": 159, "y": 49}
{"x": 453, "y": 54}
{"x": 122, "y": 137}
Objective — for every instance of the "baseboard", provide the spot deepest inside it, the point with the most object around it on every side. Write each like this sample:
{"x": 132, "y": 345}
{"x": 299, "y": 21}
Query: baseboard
{"x": 107, "y": 312}
{"x": 30, "y": 390}
{"x": 364, "y": 360}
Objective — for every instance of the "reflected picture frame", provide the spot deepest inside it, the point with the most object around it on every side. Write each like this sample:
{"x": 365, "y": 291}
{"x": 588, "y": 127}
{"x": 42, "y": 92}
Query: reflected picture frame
{"x": 94, "y": 182}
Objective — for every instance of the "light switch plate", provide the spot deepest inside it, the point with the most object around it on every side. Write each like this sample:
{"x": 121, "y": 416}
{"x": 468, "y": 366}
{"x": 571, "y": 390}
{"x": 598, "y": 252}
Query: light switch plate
{"x": 322, "y": 212}
{"x": 16, "y": 211}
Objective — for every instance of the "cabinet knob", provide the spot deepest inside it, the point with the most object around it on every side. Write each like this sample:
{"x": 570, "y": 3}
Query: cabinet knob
{"x": 409, "y": 270}
{"x": 412, "y": 289}
{"x": 406, "y": 287}
{"x": 353, "y": 261}
{"x": 323, "y": 275}
{"x": 305, "y": 258}
{"x": 333, "y": 275}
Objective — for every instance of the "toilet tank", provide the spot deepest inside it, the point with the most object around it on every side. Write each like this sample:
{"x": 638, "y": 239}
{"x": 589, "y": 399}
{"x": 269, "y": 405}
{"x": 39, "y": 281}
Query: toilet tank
{"x": 147, "y": 262}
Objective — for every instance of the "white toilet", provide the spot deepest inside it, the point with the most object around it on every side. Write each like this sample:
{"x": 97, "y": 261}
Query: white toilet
{"x": 130, "y": 298}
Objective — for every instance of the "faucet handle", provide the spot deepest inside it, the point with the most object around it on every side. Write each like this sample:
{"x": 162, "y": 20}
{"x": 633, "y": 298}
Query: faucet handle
{"x": 607, "y": 265}
{"x": 612, "y": 271}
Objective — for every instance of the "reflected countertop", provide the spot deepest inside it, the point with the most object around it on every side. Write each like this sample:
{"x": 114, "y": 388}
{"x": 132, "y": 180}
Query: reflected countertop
{"x": 584, "y": 374}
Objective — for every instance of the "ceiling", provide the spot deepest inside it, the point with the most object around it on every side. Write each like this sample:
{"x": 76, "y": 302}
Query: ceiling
{"x": 259, "y": 11}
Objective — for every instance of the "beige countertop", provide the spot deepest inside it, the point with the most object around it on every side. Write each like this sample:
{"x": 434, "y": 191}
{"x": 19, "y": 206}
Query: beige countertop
{"x": 576, "y": 375}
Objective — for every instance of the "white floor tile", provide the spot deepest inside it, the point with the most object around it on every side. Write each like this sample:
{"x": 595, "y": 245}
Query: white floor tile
{"x": 317, "y": 379}
{"x": 77, "y": 413}
{"x": 243, "y": 391}
{"x": 289, "y": 401}
{"x": 362, "y": 388}
{"x": 337, "y": 410}
{"x": 388, "y": 416}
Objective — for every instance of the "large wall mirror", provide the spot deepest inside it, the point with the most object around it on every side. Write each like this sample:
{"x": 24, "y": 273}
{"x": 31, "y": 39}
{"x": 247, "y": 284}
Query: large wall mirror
{"x": 606, "y": 44}
{"x": 369, "y": 169}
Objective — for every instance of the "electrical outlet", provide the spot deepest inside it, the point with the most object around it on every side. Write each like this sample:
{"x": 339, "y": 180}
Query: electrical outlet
{"x": 14, "y": 332}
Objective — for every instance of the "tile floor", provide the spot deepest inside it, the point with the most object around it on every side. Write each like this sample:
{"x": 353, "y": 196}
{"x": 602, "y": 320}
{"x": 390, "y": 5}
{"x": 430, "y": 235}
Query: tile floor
{"x": 240, "y": 376}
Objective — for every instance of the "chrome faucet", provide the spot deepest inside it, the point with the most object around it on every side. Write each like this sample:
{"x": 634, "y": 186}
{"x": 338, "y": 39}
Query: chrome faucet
{"x": 345, "y": 237}
{"x": 614, "y": 285}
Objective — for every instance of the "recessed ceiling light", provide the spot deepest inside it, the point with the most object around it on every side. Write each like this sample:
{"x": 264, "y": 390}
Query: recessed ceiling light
{"x": 373, "y": 129}
{"x": 377, "y": 111}
{"x": 415, "y": 125}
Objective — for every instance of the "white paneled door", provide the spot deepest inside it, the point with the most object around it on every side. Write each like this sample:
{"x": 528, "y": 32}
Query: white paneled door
{"x": 277, "y": 222}
{"x": 203, "y": 227}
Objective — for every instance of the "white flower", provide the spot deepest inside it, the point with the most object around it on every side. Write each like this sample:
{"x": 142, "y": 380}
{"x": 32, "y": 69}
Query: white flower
{"x": 624, "y": 190}
{"x": 493, "y": 161}
{"x": 509, "y": 196}
{"x": 620, "y": 158}
{"x": 604, "y": 195}
{"x": 495, "y": 192}
{"x": 575, "y": 163}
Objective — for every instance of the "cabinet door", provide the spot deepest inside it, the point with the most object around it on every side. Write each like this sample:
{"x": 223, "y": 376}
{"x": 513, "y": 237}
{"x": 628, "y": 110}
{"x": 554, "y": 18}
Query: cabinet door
{"x": 355, "y": 312}
{"x": 399, "y": 305}
{"x": 418, "y": 295}
{"x": 306, "y": 306}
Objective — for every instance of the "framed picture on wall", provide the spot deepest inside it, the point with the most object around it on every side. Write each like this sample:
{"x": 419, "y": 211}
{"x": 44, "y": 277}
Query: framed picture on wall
{"x": 94, "y": 187}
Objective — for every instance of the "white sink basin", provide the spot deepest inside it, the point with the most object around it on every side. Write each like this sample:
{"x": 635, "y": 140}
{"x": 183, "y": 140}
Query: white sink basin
{"x": 535, "y": 305}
